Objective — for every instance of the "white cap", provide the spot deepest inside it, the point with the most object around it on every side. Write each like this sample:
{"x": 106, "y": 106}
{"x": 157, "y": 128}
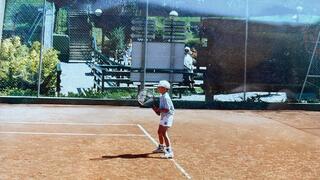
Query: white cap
{"x": 164, "y": 83}
{"x": 187, "y": 48}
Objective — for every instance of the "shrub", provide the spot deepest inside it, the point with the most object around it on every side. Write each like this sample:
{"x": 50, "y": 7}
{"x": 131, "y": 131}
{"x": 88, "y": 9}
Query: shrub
{"x": 19, "y": 66}
{"x": 17, "y": 92}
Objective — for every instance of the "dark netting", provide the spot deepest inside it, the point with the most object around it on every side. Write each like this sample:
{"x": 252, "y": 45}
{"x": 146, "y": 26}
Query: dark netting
{"x": 21, "y": 47}
{"x": 23, "y": 19}
{"x": 221, "y": 50}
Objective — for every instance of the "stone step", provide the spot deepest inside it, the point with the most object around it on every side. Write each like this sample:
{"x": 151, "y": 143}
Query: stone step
{"x": 80, "y": 52}
{"x": 80, "y": 57}
{"x": 78, "y": 61}
{"x": 77, "y": 23}
{"x": 80, "y": 42}
{"x": 80, "y": 38}
{"x": 88, "y": 51}
{"x": 79, "y": 33}
{"x": 78, "y": 13}
{"x": 76, "y": 33}
{"x": 79, "y": 28}
{"x": 75, "y": 39}
{"x": 75, "y": 18}
{"x": 80, "y": 47}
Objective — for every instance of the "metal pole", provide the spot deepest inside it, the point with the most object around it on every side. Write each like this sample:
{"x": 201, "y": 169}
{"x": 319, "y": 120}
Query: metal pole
{"x": 246, "y": 53}
{"x": 42, "y": 45}
{"x": 309, "y": 68}
{"x": 172, "y": 15}
{"x": 145, "y": 47}
{"x": 172, "y": 46}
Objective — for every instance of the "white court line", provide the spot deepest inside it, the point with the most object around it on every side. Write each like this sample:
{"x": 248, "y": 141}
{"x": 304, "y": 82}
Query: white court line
{"x": 72, "y": 124}
{"x": 174, "y": 161}
{"x": 74, "y": 134}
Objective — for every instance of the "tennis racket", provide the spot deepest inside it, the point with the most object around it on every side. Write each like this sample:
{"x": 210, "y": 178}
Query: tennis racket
{"x": 146, "y": 98}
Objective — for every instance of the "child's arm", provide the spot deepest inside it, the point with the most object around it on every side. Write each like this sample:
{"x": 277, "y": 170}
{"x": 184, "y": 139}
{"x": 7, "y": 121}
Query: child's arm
{"x": 163, "y": 110}
{"x": 158, "y": 110}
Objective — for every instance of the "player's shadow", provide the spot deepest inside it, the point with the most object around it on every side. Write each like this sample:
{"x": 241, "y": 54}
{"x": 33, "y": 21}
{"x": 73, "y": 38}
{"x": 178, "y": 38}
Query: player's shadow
{"x": 126, "y": 156}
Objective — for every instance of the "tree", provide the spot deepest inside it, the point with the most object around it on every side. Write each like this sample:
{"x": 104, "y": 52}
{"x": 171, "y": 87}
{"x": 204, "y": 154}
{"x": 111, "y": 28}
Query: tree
{"x": 116, "y": 41}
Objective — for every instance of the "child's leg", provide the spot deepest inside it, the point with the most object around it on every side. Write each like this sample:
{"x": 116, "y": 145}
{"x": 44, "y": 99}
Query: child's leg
{"x": 168, "y": 153}
{"x": 160, "y": 135}
{"x": 160, "y": 148}
{"x": 166, "y": 136}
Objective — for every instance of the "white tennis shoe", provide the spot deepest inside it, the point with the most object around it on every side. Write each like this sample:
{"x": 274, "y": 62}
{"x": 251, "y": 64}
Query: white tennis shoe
{"x": 168, "y": 153}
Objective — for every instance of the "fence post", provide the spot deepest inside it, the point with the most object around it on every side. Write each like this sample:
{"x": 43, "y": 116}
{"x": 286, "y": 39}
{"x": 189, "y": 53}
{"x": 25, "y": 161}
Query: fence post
{"x": 102, "y": 81}
{"x": 58, "y": 82}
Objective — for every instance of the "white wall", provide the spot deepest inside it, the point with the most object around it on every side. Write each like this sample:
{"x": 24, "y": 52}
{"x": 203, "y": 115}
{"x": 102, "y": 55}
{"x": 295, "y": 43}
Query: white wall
{"x": 2, "y": 9}
{"x": 158, "y": 57}
{"x": 49, "y": 26}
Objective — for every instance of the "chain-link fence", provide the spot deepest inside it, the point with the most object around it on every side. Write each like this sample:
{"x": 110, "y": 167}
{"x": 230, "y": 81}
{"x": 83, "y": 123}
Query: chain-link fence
{"x": 23, "y": 19}
{"x": 21, "y": 50}
{"x": 209, "y": 50}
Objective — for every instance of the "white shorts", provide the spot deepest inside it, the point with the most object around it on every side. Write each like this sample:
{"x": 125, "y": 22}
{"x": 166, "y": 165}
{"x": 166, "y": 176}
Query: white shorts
{"x": 166, "y": 121}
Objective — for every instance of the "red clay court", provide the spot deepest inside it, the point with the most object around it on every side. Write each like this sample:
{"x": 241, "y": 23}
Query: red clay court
{"x": 107, "y": 142}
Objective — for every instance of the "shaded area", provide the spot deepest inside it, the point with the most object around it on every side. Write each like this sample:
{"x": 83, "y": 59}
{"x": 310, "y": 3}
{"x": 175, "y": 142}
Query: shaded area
{"x": 126, "y": 156}
{"x": 75, "y": 77}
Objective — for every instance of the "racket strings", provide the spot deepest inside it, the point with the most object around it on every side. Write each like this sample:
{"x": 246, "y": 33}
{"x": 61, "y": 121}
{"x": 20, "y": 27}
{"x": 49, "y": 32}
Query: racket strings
{"x": 145, "y": 96}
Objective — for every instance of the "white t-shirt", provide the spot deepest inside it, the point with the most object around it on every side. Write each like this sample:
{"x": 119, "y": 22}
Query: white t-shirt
{"x": 166, "y": 103}
{"x": 188, "y": 62}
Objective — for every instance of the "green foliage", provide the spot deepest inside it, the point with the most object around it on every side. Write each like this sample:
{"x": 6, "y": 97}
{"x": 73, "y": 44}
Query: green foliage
{"x": 20, "y": 12}
{"x": 159, "y": 26}
{"x": 107, "y": 94}
{"x": 192, "y": 36}
{"x": 19, "y": 66}
{"x": 193, "y": 42}
{"x": 116, "y": 41}
{"x": 17, "y": 92}
{"x": 62, "y": 21}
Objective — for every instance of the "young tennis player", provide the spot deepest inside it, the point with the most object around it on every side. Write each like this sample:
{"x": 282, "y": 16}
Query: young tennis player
{"x": 165, "y": 111}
